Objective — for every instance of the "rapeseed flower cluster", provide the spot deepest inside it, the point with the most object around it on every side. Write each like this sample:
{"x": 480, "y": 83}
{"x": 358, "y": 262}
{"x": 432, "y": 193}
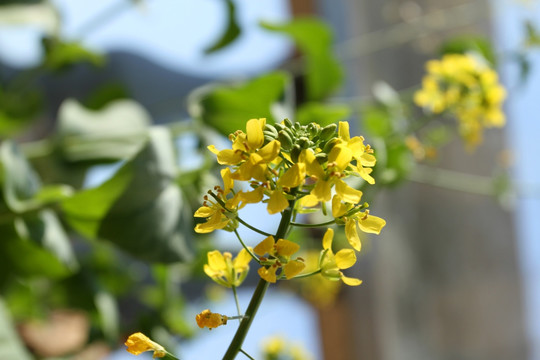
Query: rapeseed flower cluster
{"x": 465, "y": 86}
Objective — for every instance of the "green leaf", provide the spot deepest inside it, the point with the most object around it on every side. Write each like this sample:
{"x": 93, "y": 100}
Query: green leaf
{"x": 231, "y": 33}
{"x": 11, "y": 346}
{"x": 376, "y": 120}
{"x": 533, "y": 37}
{"x": 313, "y": 37}
{"x": 140, "y": 209}
{"x": 227, "y": 108}
{"x": 470, "y": 43}
{"x": 60, "y": 55}
{"x": 116, "y": 132}
{"x": 18, "y": 107}
{"x": 399, "y": 164}
{"x": 322, "y": 114}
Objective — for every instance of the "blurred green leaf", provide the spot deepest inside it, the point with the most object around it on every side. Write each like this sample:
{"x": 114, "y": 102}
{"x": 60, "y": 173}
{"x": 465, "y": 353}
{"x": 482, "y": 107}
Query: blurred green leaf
{"x": 11, "y": 346}
{"x": 105, "y": 95}
{"x": 313, "y": 37}
{"x": 470, "y": 43}
{"x": 376, "y": 120}
{"x": 18, "y": 107}
{"x": 322, "y": 114}
{"x": 231, "y": 33}
{"x": 532, "y": 35}
{"x": 116, "y": 132}
{"x": 399, "y": 163}
{"x": 60, "y": 55}
{"x": 227, "y": 108}
{"x": 107, "y": 308}
{"x": 140, "y": 209}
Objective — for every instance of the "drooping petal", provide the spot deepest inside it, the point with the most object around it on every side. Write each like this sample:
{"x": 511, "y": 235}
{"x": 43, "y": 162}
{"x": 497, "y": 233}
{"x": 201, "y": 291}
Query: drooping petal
{"x": 371, "y": 224}
{"x": 277, "y": 202}
{"x": 350, "y": 281}
{"x": 293, "y": 268}
{"x": 338, "y": 207}
{"x": 327, "y": 239}
{"x": 345, "y": 258}
{"x": 265, "y": 247}
{"x": 347, "y": 193}
{"x": 352, "y": 234}
{"x": 286, "y": 248}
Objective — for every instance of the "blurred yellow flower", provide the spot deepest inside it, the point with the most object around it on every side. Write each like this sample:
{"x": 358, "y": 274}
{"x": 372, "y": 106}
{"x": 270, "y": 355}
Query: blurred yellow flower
{"x": 465, "y": 86}
{"x": 138, "y": 343}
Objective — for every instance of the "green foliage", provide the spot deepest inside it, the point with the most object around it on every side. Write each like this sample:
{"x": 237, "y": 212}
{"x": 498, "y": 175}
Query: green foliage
{"x": 226, "y": 107}
{"x": 10, "y": 345}
{"x": 470, "y": 43}
{"x": 140, "y": 208}
{"x": 322, "y": 114}
{"x": 314, "y": 38}
{"x": 17, "y": 109}
{"x": 115, "y": 132}
{"x": 60, "y": 55}
{"x": 232, "y": 30}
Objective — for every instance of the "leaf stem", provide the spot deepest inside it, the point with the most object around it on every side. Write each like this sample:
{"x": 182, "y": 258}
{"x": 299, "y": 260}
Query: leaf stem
{"x": 247, "y": 248}
{"x": 252, "y": 227}
{"x": 247, "y": 355}
{"x": 308, "y": 274}
{"x": 314, "y": 225}
{"x": 236, "y": 301}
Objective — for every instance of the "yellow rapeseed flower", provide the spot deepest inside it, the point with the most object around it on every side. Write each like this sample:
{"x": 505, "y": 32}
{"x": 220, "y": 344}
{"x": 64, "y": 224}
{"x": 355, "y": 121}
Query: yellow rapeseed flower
{"x": 280, "y": 253}
{"x": 331, "y": 263}
{"x": 210, "y": 320}
{"x": 138, "y": 343}
{"x": 224, "y": 270}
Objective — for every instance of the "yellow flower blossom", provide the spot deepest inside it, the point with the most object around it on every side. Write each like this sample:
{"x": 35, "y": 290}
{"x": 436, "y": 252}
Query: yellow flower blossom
{"x": 210, "y": 320}
{"x": 224, "y": 270}
{"x": 331, "y": 263}
{"x": 292, "y": 178}
{"x": 280, "y": 253}
{"x": 138, "y": 343}
{"x": 466, "y": 87}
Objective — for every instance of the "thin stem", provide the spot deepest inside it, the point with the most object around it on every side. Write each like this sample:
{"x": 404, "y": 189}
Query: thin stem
{"x": 236, "y": 301}
{"x": 252, "y": 227}
{"x": 308, "y": 274}
{"x": 314, "y": 225}
{"x": 258, "y": 295}
{"x": 247, "y": 355}
{"x": 247, "y": 248}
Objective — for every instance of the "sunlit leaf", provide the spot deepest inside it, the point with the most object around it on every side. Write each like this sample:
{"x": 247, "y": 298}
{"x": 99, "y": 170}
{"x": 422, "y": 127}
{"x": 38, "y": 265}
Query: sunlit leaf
{"x": 115, "y": 132}
{"x": 140, "y": 209}
{"x": 322, "y": 114}
{"x": 227, "y": 108}
{"x": 231, "y": 33}
{"x": 11, "y": 346}
{"x": 314, "y": 39}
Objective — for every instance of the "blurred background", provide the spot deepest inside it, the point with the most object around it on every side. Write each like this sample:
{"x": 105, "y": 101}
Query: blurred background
{"x": 106, "y": 109}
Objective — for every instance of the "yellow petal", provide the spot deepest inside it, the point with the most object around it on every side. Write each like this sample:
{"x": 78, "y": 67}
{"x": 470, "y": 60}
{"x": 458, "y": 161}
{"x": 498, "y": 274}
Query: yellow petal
{"x": 228, "y": 182}
{"x": 204, "y": 212}
{"x": 213, "y": 149}
{"x": 242, "y": 260}
{"x": 338, "y": 207}
{"x": 309, "y": 201}
{"x": 352, "y": 234}
{"x": 254, "y": 131}
{"x": 293, "y": 268}
{"x": 138, "y": 343}
{"x": 351, "y": 281}
{"x": 277, "y": 202}
{"x": 270, "y": 151}
{"x": 229, "y": 157}
{"x": 265, "y": 247}
{"x": 286, "y": 248}
{"x": 340, "y": 155}
{"x": 268, "y": 274}
{"x": 313, "y": 168}
{"x": 347, "y": 193}
{"x": 250, "y": 197}
{"x": 345, "y": 258}
{"x": 322, "y": 190}
{"x": 327, "y": 239}
{"x": 216, "y": 260}
{"x": 371, "y": 224}
{"x": 343, "y": 130}
{"x": 294, "y": 176}
{"x": 210, "y": 320}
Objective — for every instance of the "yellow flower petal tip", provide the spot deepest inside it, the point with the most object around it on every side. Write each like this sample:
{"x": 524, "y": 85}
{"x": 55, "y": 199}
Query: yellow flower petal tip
{"x": 138, "y": 343}
{"x": 210, "y": 320}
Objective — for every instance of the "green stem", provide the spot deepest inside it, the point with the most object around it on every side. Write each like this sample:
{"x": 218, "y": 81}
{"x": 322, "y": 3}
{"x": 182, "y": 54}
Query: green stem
{"x": 308, "y": 274}
{"x": 245, "y": 247}
{"x": 251, "y": 227}
{"x": 236, "y": 301}
{"x": 258, "y": 295}
{"x": 247, "y": 355}
{"x": 314, "y": 225}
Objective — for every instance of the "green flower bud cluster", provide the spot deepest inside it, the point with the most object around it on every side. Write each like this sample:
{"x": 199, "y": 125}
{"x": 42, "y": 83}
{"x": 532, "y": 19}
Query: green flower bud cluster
{"x": 295, "y": 137}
